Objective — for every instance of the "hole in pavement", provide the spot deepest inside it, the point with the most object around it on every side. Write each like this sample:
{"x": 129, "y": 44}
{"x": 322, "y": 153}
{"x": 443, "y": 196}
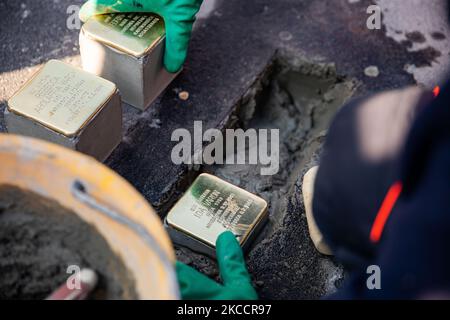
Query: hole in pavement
{"x": 301, "y": 106}
{"x": 300, "y": 101}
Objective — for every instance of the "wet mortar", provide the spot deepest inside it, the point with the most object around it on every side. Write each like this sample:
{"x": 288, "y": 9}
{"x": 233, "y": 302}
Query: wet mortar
{"x": 39, "y": 240}
{"x": 300, "y": 102}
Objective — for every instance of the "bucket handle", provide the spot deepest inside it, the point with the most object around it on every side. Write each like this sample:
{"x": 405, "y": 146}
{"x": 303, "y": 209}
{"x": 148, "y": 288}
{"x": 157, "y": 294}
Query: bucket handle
{"x": 80, "y": 192}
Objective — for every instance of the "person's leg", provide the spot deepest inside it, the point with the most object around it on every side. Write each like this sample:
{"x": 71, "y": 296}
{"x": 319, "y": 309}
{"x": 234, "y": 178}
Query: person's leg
{"x": 358, "y": 166}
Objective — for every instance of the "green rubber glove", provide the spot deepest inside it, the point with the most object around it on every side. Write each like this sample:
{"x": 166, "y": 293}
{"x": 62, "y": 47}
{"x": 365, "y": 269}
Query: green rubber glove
{"x": 236, "y": 280}
{"x": 178, "y": 15}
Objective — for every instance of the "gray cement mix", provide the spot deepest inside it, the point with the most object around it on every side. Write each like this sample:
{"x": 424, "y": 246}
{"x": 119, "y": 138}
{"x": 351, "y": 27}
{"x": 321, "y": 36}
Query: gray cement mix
{"x": 40, "y": 239}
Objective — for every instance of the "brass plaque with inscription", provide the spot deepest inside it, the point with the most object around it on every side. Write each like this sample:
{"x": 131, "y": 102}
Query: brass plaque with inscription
{"x": 212, "y": 206}
{"x": 61, "y": 97}
{"x": 132, "y": 33}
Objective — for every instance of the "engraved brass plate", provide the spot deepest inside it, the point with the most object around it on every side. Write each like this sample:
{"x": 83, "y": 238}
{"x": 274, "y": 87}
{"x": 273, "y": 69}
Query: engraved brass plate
{"x": 61, "y": 97}
{"x": 212, "y": 206}
{"x": 132, "y": 33}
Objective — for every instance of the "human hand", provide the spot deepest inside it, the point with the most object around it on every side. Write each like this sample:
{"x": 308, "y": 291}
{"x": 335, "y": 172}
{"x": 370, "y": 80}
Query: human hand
{"x": 236, "y": 279}
{"x": 178, "y": 15}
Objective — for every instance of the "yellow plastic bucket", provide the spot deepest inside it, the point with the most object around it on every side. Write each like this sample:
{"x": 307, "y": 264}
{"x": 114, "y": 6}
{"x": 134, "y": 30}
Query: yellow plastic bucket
{"x": 100, "y": 197}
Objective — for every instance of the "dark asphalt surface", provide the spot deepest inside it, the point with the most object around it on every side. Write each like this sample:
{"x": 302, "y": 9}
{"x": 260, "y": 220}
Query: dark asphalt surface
{"x": 229, "y": 51}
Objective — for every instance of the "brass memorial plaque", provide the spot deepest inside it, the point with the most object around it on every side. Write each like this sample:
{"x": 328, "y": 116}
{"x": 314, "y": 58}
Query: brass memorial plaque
{"x": 61, "y": 97}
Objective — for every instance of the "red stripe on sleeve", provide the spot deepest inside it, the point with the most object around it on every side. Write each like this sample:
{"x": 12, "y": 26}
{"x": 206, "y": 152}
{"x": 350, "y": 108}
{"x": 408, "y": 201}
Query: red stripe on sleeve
{"x": 385, "y": 211}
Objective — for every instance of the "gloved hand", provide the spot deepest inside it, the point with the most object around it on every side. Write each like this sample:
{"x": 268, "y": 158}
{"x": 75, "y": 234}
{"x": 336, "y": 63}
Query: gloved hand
{"x": 236, "y": 280}
{"x": 178, "y": 15}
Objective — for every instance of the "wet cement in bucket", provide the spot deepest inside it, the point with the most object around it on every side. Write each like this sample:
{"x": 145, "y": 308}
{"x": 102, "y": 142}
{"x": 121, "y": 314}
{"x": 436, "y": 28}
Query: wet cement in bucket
{"x": 40, "y": 239}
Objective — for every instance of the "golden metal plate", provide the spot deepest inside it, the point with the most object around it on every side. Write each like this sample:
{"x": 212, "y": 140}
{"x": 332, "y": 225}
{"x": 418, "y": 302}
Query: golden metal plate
{"x": 132, "y": 33}
{"x": 212, "y": 206}
{"x": 61, "y": 97}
